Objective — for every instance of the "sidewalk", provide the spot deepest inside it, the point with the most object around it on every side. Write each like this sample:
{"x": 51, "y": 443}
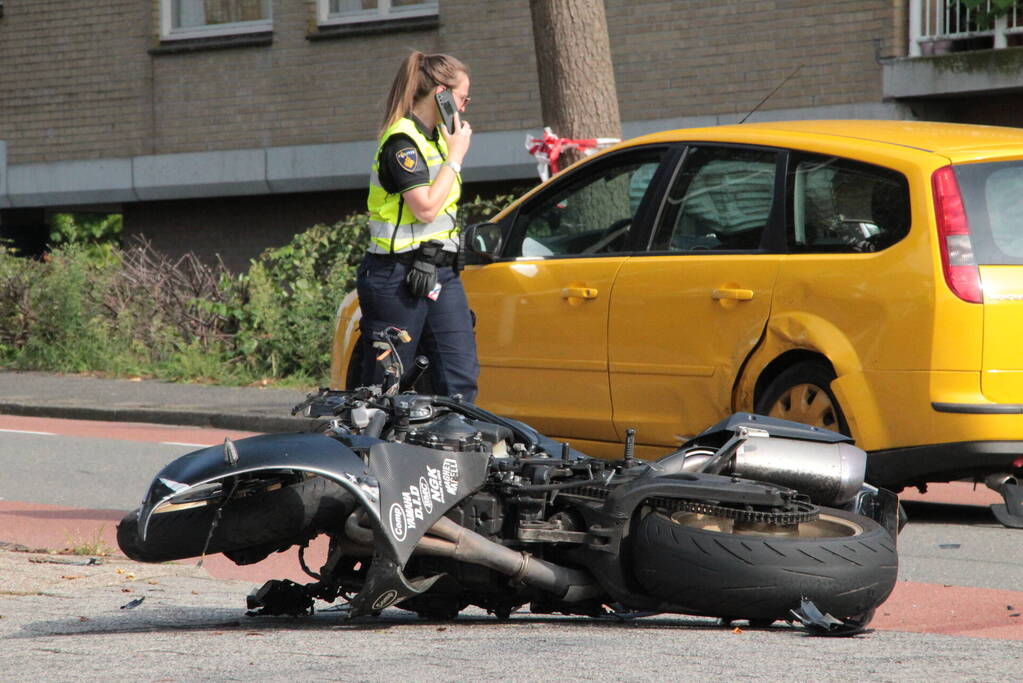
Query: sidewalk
{"x": 41, "y": 394}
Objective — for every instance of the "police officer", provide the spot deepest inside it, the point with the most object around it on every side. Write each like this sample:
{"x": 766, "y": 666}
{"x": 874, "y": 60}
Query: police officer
{"x": 407, "y": 279}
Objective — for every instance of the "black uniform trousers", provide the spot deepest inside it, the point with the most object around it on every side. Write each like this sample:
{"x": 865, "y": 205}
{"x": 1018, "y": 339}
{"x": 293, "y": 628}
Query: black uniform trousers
{"x": 441, "y": 329}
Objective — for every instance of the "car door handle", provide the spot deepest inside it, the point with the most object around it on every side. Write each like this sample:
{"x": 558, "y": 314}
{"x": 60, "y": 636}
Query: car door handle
{"x": 579, "y": 293}
{"x": 729, "y": 293}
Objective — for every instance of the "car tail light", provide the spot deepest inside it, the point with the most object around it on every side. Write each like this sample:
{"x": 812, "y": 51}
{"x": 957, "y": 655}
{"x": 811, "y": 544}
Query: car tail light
{"x": 957, "y": 260}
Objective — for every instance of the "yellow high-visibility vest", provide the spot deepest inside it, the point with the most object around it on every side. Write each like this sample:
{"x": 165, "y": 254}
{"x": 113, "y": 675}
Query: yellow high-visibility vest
{"x": 390, "y": 232}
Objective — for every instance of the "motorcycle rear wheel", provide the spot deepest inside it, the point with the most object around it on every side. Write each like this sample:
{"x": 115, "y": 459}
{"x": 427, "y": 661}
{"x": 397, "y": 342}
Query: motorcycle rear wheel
{"x": 845, "y": 563}
{"x": 250, "y": 527}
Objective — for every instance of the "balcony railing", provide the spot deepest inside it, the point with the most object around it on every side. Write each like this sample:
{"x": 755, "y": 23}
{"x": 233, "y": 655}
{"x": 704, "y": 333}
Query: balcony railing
{"x": 938, "y": 26}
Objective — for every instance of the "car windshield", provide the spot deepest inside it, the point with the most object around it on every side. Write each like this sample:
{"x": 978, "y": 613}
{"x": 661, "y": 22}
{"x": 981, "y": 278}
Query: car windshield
{"x": 993, "y": 196}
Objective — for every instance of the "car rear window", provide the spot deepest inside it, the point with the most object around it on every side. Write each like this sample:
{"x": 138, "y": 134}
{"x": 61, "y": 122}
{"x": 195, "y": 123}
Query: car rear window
{"x": 993, "y": 197}
{"x": 840, "y": 205}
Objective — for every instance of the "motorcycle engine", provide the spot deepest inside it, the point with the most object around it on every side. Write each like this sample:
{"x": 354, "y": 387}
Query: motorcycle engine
{"x": 454, "y": 432}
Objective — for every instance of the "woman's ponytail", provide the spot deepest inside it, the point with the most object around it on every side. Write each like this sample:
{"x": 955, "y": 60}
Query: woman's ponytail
{"x": 417, "y": 76}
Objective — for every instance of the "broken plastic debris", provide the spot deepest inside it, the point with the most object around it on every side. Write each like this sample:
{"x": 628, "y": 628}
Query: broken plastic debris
{"x": 818, "y": 623}
{"x": 134, "y": 603}
{"x": 61, "y": 560}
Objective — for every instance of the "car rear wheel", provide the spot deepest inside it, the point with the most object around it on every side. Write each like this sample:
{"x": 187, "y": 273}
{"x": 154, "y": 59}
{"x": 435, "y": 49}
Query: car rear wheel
{"x": 802, "y": 393}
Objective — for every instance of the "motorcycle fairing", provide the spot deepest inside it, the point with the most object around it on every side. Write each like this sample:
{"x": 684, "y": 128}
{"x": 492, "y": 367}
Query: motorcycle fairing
{"x": 404, "y": 488}
{"x": 417, "y": 487}
{"x": 304, "y": 452}
{"x": 386, "y": 585}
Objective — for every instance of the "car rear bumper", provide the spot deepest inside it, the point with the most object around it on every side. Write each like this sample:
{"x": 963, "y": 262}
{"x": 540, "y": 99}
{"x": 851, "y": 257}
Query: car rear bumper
{"x": 899, "y": 467}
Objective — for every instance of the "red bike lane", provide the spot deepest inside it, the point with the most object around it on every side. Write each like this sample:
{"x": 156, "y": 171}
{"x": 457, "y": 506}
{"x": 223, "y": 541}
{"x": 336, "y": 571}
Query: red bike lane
{"x": 912, "y": 607}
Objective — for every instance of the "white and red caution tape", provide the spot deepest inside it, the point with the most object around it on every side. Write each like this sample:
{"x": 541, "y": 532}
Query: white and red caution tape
{"x": 548, "y": 149}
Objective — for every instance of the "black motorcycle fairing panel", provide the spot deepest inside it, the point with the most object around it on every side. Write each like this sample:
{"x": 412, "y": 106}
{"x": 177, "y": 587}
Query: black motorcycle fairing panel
{"x": 386, "y": 585}
{"x": 307, "y": 452}
{"x": 417, "y": 487}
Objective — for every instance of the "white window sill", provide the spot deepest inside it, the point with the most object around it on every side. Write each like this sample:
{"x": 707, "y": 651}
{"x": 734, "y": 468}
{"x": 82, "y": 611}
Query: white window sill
{"x": 216, "y": 31}
{"x": 378, "y": 17}
{"x": 363, "y": 26}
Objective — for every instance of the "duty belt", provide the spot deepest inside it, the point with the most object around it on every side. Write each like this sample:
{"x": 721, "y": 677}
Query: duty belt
{"x": 443, "y": 259}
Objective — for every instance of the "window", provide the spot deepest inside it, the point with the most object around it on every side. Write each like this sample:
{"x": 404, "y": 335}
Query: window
{"x": 721, "y": 200}
{"x": 351, "y": 11}
{"x": 589, "y": 212}
{"x": 993, "y": 197}
{"x": 198, "y": 18}
{"x": 846, "y": 206}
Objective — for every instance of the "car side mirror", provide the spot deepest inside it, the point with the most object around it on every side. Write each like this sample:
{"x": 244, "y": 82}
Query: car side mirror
{"x": 484, "y": 240}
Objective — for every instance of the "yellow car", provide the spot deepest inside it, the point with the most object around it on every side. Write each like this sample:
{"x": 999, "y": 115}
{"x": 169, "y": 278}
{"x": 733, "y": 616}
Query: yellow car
{"x": 863, "y": 276}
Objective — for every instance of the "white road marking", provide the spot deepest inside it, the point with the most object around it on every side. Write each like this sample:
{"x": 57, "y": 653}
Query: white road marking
{"x": 26, "y": 431}
{"x": 181, "y": 443}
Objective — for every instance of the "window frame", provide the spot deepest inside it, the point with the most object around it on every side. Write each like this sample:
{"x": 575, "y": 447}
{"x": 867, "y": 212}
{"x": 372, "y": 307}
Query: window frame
{"x": 385, "y": 12}
{"x": 772, "y": 240}
{"x": 584, "y": 175}
{"x": 237, "y": 28}
{"x": 797, "y": 156}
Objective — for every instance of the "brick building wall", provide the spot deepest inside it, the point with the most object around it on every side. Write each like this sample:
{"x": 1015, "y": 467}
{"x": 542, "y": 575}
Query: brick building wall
{"x": 85, "y": 86}
{"x": 92, "y": 81}
{"x": 74, "y": 79}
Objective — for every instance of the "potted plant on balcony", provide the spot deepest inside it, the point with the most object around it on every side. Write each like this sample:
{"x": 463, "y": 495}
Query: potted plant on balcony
{"x": 987, "y": 11}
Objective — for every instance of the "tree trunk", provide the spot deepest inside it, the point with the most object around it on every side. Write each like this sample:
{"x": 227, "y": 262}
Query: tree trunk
{"x": 573, "y": 60}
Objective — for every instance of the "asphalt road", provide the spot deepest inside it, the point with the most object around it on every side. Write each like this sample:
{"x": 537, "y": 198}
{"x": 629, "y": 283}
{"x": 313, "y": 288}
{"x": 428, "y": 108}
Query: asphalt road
{"x": 63, "y": 621}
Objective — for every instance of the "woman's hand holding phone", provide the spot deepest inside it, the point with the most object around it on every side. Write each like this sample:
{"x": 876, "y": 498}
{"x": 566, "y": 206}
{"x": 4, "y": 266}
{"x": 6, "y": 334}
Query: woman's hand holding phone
{"x": 457, "y": 142}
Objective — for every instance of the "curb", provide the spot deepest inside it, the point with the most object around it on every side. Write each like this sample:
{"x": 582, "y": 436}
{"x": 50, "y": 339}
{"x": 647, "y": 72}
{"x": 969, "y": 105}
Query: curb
{"x": 235, "y": 421}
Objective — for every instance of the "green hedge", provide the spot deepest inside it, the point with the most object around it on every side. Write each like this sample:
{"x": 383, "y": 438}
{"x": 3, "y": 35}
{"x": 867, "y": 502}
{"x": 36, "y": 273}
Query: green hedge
{"x": 96, "y": 307}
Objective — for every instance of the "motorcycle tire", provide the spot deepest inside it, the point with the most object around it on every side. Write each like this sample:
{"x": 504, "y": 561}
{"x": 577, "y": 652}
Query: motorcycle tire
{"x": 263, "y": 522}
{"x": 847, "y": 570}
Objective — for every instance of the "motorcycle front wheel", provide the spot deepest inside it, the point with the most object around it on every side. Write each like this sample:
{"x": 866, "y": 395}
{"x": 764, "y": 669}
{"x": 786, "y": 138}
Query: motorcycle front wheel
{"x": 250, "y": 527}
{"x": 845, "y": 563}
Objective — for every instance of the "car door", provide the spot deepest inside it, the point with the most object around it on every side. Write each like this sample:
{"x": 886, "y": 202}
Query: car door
{"x": 542, "y": 310}
{"x": 684, "y": 317}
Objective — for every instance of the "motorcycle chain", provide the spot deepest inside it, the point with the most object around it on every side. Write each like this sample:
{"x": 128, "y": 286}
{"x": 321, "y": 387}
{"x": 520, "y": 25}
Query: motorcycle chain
{"x": 804, "y": 512}
{"x": 798, "y": 512}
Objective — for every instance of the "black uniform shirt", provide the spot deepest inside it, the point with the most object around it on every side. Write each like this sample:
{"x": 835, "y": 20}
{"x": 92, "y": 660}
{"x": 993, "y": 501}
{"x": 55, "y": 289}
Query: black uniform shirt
{"x": 402, "y": 165}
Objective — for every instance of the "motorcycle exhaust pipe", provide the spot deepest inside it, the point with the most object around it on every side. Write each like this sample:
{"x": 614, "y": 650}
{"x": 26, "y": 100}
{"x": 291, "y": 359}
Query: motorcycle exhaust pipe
{"x": 570, "y": 585}
{"x": 458, "y": 543}
{"x": 830, "y": 473}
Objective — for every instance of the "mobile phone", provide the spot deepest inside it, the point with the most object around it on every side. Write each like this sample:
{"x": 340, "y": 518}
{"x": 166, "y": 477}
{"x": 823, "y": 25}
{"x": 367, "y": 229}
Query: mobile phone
{"x": 446, "y": 104}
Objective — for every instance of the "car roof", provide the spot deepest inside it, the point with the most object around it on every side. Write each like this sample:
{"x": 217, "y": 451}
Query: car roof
{"x": 954, "y": 140}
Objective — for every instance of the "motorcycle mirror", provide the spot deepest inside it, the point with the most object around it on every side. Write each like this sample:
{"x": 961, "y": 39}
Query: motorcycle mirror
{"x": 484, "y": 240}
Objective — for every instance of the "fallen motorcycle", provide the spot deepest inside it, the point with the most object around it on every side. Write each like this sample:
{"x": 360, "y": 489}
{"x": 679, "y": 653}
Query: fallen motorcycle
{"x": 433, "y": 504}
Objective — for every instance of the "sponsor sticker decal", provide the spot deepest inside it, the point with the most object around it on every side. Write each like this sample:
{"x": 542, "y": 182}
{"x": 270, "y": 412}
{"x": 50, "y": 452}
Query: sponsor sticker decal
{"x": 450, "y": 476}
{"x": 386, "y": 599}
{"x": 413, "y": 504}
{"x": 407, "y": 158}
{"x": 436, "y": 484}
{"x": 424, "y": 494}
{"x": 398, "y": 521}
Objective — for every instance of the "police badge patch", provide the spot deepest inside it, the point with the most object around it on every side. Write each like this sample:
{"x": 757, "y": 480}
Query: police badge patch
{"x": 407, "y": 158}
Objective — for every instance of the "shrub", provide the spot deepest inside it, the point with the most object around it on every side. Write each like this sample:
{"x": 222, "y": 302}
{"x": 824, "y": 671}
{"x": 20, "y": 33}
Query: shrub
{"x": 52, "y": 315}
{"x": 136, "y": 311}
{"x": 284, "y": 307}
